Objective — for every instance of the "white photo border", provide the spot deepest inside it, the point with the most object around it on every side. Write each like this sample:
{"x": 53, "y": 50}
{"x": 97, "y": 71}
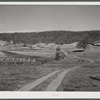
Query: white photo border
{"x": 49, "y": 95}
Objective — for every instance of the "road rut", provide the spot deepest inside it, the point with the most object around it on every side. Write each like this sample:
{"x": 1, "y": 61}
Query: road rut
{"x": 37, "y": 82}
{"x": 56, "y": 82}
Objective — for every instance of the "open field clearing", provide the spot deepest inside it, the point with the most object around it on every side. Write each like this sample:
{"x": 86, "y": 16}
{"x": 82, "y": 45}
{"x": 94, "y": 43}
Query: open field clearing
{"x": 85, "y": 78}
{"x": 76, "y": 73}
{"x": 13, "y": 77}
{"x": 92, "y": 53}
{"x": 65, "y": 65}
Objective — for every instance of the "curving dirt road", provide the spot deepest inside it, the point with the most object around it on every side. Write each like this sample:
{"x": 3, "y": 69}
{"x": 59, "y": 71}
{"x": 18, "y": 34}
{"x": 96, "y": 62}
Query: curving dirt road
{"x": 56, "y": 82}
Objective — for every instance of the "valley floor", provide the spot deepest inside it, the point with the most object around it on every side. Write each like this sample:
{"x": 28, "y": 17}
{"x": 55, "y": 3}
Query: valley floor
{"x": 77, "y": 72}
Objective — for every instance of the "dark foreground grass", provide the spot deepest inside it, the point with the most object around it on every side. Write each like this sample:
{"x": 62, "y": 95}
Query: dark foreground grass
{"x": 13, "y": 77}
{"x": 86, "y": 78}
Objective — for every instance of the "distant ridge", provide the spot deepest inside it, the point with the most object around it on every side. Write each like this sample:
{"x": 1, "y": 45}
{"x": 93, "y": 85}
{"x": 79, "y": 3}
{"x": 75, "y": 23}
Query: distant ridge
{"x": 59, "y": 37}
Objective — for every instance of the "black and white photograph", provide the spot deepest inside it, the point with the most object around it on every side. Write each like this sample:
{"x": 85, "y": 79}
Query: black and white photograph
{"x": 50, "y": 48}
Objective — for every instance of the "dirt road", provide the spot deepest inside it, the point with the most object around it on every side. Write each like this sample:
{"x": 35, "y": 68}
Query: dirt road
{"x": 56, "y": 82}
{"x": 37, "y": 82}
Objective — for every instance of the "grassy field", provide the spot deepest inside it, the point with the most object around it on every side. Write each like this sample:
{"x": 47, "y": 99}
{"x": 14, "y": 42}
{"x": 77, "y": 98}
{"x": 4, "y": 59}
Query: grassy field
{"x": 13, "y": 77}
{"x": 85, "y": 78}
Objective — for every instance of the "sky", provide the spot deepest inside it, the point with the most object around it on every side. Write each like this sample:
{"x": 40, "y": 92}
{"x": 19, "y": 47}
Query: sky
{"x": 36, "y": 18}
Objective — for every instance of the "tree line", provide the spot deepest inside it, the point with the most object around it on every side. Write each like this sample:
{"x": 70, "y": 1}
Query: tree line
{"x": 58, "y": 37}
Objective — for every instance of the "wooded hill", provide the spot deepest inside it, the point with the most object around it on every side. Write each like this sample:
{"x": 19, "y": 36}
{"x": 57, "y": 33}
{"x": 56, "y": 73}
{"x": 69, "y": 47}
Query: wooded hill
{"x": 59, "y": 37}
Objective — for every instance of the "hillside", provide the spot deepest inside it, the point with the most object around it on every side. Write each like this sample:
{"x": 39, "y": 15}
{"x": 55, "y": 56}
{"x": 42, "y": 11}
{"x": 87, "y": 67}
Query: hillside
{"x": 59, "y": 37}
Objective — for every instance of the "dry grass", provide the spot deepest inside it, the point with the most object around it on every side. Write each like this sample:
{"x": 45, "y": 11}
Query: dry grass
{"x": 14, "y": 77}
{"x": 80, "y": 79}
